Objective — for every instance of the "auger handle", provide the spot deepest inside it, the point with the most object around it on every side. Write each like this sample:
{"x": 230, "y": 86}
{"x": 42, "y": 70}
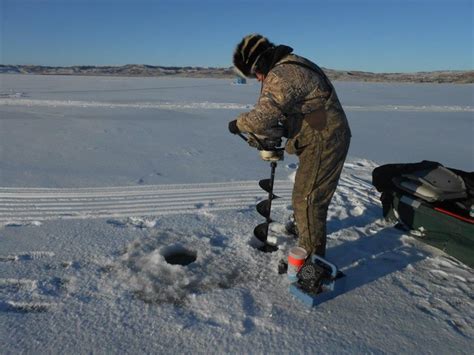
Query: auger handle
{"x": 243, "y": 137}
{"x": 260, "y": 146}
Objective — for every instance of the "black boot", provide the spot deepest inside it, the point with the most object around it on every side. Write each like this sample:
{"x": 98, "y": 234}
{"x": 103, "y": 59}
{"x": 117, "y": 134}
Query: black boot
{"x": 291, "y": 227}
{"x": 282, "y": 267}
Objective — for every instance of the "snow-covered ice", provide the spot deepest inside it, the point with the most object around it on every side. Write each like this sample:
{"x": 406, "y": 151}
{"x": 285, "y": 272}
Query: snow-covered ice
{"x": 102, "y": 178}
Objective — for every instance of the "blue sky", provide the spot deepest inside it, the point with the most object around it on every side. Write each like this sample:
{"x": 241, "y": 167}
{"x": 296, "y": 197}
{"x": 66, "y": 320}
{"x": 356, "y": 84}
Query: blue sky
{"x": 368, "y": 35}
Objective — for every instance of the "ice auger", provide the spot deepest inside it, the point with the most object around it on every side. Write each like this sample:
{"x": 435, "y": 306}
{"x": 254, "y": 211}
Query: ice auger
{"x": 271, "y": 151}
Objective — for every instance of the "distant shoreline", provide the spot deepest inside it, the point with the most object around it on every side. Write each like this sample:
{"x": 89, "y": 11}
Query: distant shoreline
{"x": 135, "y": 70}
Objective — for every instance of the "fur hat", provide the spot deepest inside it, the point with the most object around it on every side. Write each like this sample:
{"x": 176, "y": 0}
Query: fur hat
{"x": 248, "y": 52}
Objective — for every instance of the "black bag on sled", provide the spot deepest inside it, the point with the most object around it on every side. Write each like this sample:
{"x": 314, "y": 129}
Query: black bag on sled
{"x": 434, "y": 202}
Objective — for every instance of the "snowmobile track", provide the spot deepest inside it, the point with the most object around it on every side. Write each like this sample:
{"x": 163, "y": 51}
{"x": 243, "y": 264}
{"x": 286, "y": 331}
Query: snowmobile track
{"x": 36, "y": 204}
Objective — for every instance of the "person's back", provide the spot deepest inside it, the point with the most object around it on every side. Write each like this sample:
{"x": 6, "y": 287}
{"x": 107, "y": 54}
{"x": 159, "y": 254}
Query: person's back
{"x": 311, "y": 95}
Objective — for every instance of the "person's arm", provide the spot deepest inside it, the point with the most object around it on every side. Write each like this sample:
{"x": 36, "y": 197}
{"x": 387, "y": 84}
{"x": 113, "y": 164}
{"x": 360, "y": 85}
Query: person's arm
{"x": 274, "y": 98}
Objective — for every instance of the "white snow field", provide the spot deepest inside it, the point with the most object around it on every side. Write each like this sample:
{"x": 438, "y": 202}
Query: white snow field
{"x": 101, "y": 178}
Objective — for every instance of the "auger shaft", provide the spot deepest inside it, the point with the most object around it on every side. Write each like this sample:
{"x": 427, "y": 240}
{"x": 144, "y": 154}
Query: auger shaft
{"x": 264, "y": 208}
{"x": 273, "y": 165}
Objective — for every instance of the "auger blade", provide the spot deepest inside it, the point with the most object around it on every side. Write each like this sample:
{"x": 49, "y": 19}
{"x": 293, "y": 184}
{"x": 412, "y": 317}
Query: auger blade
{"x": 261, "y": 232}
{"x": 263, "y": 207}
{"x": 265, "y": 184}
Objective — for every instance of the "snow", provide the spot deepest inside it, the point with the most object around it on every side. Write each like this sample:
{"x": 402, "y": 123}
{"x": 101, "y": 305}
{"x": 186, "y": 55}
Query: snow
{"x": 102, "y": 178}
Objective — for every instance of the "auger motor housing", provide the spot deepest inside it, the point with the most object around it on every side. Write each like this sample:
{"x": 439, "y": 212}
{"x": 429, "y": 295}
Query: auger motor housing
{"x": 269, "y": 145}
{"x": 271, "y": 155}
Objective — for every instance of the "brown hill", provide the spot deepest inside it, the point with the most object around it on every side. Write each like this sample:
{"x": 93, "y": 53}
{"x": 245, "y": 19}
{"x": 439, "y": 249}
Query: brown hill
{"x": 141, "y": 70}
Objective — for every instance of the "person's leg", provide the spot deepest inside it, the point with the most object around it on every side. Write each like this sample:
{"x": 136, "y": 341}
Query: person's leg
{"x": 306, "y": 174}
{"x": 315, "y": 183}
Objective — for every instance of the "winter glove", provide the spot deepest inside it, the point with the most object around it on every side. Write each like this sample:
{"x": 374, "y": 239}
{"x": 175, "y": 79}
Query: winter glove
{"x": 233, "y": 127}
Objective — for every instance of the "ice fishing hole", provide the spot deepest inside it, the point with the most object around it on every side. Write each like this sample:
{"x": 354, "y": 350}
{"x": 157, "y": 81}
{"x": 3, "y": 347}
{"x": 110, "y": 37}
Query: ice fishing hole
{"x": 178, "y": 255}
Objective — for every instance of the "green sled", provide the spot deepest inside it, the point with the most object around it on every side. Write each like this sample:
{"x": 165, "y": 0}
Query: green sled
{"x": 451, "y": 234}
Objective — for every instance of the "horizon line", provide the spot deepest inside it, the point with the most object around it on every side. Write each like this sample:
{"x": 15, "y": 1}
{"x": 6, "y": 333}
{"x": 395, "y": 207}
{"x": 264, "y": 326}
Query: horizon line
{"x": 230, "y": 67}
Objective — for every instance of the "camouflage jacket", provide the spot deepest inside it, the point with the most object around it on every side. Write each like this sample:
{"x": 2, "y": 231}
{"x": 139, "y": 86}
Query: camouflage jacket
{"x": 291, "y": 95}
